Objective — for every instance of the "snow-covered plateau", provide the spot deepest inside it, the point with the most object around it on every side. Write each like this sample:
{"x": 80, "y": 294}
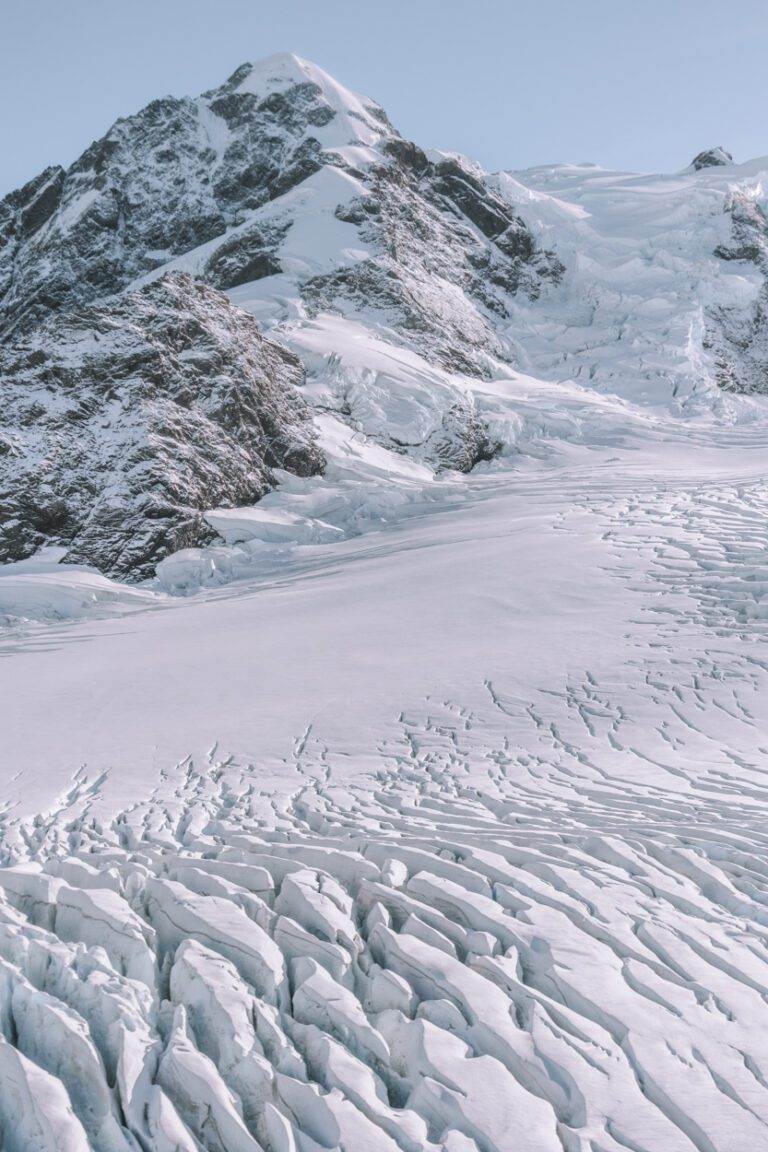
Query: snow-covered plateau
{"x": 384, "y": 646}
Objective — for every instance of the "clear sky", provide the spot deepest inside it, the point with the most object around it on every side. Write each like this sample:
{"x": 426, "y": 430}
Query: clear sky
{"x": 638, "y": 84}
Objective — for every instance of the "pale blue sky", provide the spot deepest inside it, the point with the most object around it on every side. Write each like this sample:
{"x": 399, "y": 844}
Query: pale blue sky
{"x": 634, "y": 85}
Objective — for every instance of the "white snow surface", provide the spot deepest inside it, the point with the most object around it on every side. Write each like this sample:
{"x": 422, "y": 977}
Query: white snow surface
{"x": 428, "y": 810}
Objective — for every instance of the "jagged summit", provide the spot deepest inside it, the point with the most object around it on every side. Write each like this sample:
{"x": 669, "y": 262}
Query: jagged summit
{"x": 355, "y": 117}
{"x": 280, "y": 170}
{"x": 174, "y": 176}
{"x": 711, "y": 158}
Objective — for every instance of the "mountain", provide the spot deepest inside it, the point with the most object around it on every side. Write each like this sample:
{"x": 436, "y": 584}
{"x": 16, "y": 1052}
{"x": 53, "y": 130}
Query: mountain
{"x": 301, "y": 201}
{"x": 230, "y": 177}
{"x": 278, "y": 175}
{"x": 161, "y": 183}
{"x": 384, "y": 637}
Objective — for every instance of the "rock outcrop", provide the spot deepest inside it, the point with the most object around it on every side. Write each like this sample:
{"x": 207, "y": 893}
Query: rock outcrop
{"x": 125, "y": 421}
{"x": 711, "y": 158}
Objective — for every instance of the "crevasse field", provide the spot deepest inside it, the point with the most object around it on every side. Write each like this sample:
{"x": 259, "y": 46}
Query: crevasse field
{"x": 426, "y": 809}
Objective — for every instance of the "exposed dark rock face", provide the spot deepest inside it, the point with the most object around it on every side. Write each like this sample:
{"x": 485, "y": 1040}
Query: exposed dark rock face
{"x": 463, "y": 441}
{"x": 124, "y": 422}
{"x": 246, "y": 256}
{"x": 737, "y": 337}
{"x": 749, "y": 232}
{"x": 711, "y": 158}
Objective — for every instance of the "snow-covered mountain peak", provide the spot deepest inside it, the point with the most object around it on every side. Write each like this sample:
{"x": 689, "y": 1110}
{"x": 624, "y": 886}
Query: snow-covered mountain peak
{"x": 243, "y": 184}
{"x": 173, "y": 177}
{"x": 351, "y": 118}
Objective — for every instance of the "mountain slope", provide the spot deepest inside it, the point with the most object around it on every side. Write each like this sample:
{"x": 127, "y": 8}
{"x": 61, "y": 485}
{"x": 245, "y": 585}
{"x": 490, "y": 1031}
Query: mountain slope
{"x": 122, "y": 424}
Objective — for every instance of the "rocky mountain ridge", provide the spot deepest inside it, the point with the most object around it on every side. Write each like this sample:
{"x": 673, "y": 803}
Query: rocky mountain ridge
{"x": 183, "y": 173}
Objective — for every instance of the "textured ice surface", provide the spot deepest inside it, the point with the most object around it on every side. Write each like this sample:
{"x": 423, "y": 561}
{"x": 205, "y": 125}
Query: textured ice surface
{"x": 448, "y": 836}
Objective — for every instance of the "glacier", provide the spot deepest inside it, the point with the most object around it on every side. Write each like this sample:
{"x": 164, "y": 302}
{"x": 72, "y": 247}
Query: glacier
{"x": 420, "y": 804}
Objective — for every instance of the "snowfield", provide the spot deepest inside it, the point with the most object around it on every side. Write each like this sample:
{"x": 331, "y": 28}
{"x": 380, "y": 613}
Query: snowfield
{"x": 425, "y": 809}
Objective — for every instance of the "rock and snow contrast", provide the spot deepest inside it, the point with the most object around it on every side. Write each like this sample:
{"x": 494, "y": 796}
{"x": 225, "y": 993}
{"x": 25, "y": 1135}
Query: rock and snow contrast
{"x": 384, "y": 643}
{"x": 125, "y": 423}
